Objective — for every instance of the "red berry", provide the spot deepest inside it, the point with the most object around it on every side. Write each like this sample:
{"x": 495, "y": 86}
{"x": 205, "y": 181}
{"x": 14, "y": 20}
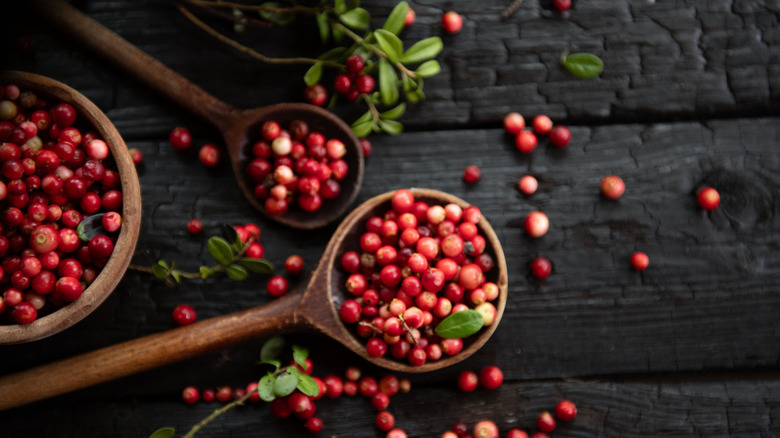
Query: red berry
{"x": 542, "y": 124}
{"x": 385, "y": 421}
{"x": 491, "y": 377}
{"x": 209, "y": 155}
{"x": 365, "y": 144}
{"x": 183, "y": 315}
{"x": 612, "y": 187}
{"x": 545, "y": 422}
{"x": 355, "y": 64}
{"x": 365, "y": 84}
{"x": 316, "y": 94}
{"x": 342, "y": 84}
{"x": 472, "y": 174}
{"x": 194, "y": 226}
{"x": 277, "y": 286}
{"x": 410, "y": 16}
{"x": 528, "y": 185}
{"x": 560, "y": 136}
{"x": 224, "y": 394}
{"x": 136, "y": 155}
{"x": 190, "y": 395}
{"x": 24, "y": 313}
{"x": 452, "y": 22}
{"x": 541, "y": 267}
{"x": 294, "y": 264}
{"x": 314, "y": 425}
{"x": 485, "y": 429}
{"x": 468, "y": 381}
{"x": 111, "y": 221}
{"x": 708, "y": 198}
{"x": 526, "y": 141}
{"x": 562, "y": 5}
{"x": 180, "y": 138}
{"x": 565, "y": 410}
{"x": 639, "y": 261}
{"x": 516, "y": 433}
{"x": 514, "y": 123}
{"x": 536, "y": 224}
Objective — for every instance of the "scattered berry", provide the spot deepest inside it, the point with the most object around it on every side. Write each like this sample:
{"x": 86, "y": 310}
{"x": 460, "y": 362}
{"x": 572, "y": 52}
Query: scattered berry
{"x": 293, "y": 264}
{"x": 180, "y": 138}
{"x": 277, "y": 286}
{"x": 190, "y": 395}
{"x": 536, "y": 224}
{"x": 545, "y": 422}
{"x": 410, "y": 17}
{"x": 708, "y": 198}
{"x": 612, "y": 187}
{"x": 541, "y": 267}
{"x": 526, "y": 141}
{"x": 514, "y": 123}
{"x": 565, "y": 410}
{"x": 560, "y": 136}
{"x": 316, "y": 94}
{"x": 194, "y": 226}
{"x": 542, "y": 124}
{"x": 472, "y": 174}
{"x": 183, "y": 315}
{"x": 452, "y": 22}
{"x": 485, "y": 429}
{"x": 491, "y": 377}
{"x": 136, "y": 155}
{"x": 562, "y": 5}
{"x": 528, "y": 185}
{"x": 468, "y": 381}
{"x": 209, "y": 155}
{"x": 639, "y": 261}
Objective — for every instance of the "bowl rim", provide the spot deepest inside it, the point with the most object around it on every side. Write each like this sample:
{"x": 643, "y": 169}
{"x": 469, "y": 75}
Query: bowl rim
{"x": 111, "y": 274}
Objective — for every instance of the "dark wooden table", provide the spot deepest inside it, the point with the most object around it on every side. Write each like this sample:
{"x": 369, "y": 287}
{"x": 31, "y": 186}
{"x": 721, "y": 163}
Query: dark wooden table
{"x": 689, "y": 97}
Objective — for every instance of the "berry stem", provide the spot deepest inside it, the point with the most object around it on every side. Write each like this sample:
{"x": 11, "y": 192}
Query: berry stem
{"x": 217, "y": 413}
{"x": 511, "y": 9}
{"x": 213, "y": 9}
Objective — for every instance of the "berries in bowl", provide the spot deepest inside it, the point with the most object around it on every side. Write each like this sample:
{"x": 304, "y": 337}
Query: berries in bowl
{"x": 70, "y": 207}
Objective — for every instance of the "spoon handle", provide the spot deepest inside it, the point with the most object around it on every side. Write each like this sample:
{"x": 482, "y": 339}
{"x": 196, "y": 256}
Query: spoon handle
{"x": 141, "y": 354}
{"x": 132, "y": 60}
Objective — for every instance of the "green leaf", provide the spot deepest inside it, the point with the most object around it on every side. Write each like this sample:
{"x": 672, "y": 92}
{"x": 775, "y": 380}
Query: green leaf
{"x": 314, "y": 74}
{"x": 220, "y": 249}
{"x": 428, "y": 69}
{"x": 357, "y": 18}
{"x": 323, "y": 26}
{"x": 299, "y": 355}
{"x": 236, "y": 272}
{"x": 388, "y": 83}
{"x": 273, "y": 362}
{"x": 395, "y": 21}
{"x": 205, "y": 272}
{"x": 391, "y": 127}
{"x": 332, "y": 54}
{"x": 308, "y": 386}
{"x": 394, "y": 113}
{"x": 90, "y": 227}
{"x": 366, "y": 117}
{"x": 340, "y": 6}
{"x": 583, "y": 65}
{"x": 163, "y": 432}
{"x": 258, "y": 266}
{"x": 176, "y": 274}
{"x": 338, "y": 34}
{"x": 460, "y": 324}
{"x": 272, "y": 348}
{"x": 423, "y": 50}
{"x": 285, "y": 384}
{"x": 265, "y": 388}
{"x": 362, "y": 129}
{"x": 160, "y": 271}
{"x": 390, "y": 43}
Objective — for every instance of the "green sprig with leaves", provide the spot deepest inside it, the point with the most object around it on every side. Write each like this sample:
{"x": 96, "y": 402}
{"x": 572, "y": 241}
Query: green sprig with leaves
{"x": 400, "y": 72}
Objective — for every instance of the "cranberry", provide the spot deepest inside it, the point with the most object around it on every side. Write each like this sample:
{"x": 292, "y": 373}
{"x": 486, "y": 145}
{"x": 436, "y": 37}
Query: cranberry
{"x": 565, "y": 410}
{"x": 516, "y": 433}
{"x": 136, "y": 155}
{"x": 365, "y": 84}
{"x": 365, "y": 145}
{"x": 452, "y": 22}
{"x": 514, "y": 123}
{"x": 541, "y": 267}
{"x": 545, "y": 422}
{"x": 612, "y": 187}
{"x": 190, "y": 395}
{"x": 542, "y": 124}
{"x": 314, "y": 425}
{"x": 342, "y": 84}
{"x": 385, "y": 421}
{"x": 468, "y": 381}
{"x": 44, "y": 239}
{"x": 194, "y": 226}
{"x": 224, "y": 394}
{"x": 101, "y": 246}
{"x": 24, "y": 313}
{"x": 560, "y": 136}
{"x": 472, "y": 174}
{"x": 277, "y": 286}
{"x": 526, "y": 141}
{"x": 708, "y": 198}
{"x": 485, "y": 429}
{"x": 562, "y": 5}
{"x": 183, "y": 315}
{"x": 97, "y": 150}
{"x": 536, "y": 224}
{"x": 639, "y": 261}
{"x": 527, "y": 185}
{"x": 63, "y": 115}
{"x": 491, "y": 377}
{"x": 294, "y": 264}
{"x": 316, "y": 94}
{"x": 180, "y": 138}
{"x": 280, "y": 408}
{"x": 68, "y": 288}
{"x": 355, "y": 64}
{"x": 209, "y": 155}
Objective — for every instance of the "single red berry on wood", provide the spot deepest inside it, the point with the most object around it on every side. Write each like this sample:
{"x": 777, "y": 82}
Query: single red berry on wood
{"x": 194, "y": 226}
{"x": 541, "y": 267}
{"x": 560, "y": 136}
{"x": 472, "y": 174}
{"x": 293, "y": 264}
{"x": 708, "y": 198}
{"x": 452, "y": 22}
{"x": 545, "y": 422}
{"x": 528, "y": 185}
{"x": 491, "y": 377}
{"x": 612, "y": 187}
{"x": 514, "y": 123}
{"x": 410, "y": 17}
{"x": 468, "y": 381}
{"x": 209, "y": 155}
{"x": 565, "y": 410}
{"x": 277, "y": 286}
{"x": 536, "y": 224}
{"x": 526, "y": 141}
{"x": 190, "y": 395}
{"x": 180, "y": 138}
{"x": 316, "y": 94}
{"x": 183, "y": 315}
{"x": 517, "y": 433}
{"x": 562, "y": 5}
{"x": 485, "y": 429}
{"x": 639, "y": 261}
{"x": 542, "y": 124}
{"x": 385, "y": 421}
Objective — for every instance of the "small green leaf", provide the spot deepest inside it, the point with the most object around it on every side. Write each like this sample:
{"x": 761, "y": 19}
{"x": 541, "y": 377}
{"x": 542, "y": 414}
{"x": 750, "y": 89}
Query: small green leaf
{"x": 160, "y": 271}
{"x": 163, "y": 432}
{"x": 388, "y": 83}
{"x": 314, "y": 74}
{"x": 395, "y": 21}
{"x": 272, "y": 348}
{"x": 273, "y": 362}
{"x": 205, "y": 272}
{"x": 423, "y": 50}
{"x": 362, "y": 129}
{"x": 391, "y": 127}
{"x": 366, "y": 117}
{"x": 340, "y": 6}
{"x": 332, "y": 54}
{"x": 285, "y": 384}
{"x": 394, "y": 113}
{"x": 357, "y": 18}
{"x": 236, "y": 272}
{"x": 308, "y": 386}
{"x": 323, "y": 26}
{"x": 583, "y": 65}
{"x": 220, "y": 249}
{"x": 299, "y": 355}
{"x": 390, "y": 43}
{"x": 163, "y": 263}
{"x": 460, "y": 324}
{"x": 265, "y": 388}
{"x": 176, "y": 274}
{"x": 90, "y": 227}
{"x": 428, "y": 69}
{"x": 258, "y": 266}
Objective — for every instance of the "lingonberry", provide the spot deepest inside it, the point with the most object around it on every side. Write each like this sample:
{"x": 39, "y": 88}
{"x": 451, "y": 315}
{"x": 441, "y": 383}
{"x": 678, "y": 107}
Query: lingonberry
{"x": 545, "y": 422}
{"x": 293, "y": 264}
{"x": 468, "y": 381}
{"x": 541, "y": 267}
{"x": 542, "y": 124}
{"x": 224, "y": 394}
{"x": 708, "y": 198}
{"x": 526, "y": 141}
{"x": 277, "y": 286}
{"x": 470, "y": 276}
{"x": 560, "y": 136}
{"x": 612, "y": 187}
{"x": 342, "y": 84}
{"x": 367, "y": 386}
{"x": 527, "y": 185}
{"x": 380, "y": 401}
{"x": 68, "y": 288}
{"x": 24, "y": 313}
{"x": 365, "y": 145}
{"x": 314, "y": 425}
{"x": 485, "y": 429}
{"x": 562, "y": 5}
{"x": 101, "y": 246}
{"x": 452, "y": 22}
{"x": 209, "y": 155}
{"x": 194, "y": 226}
{"x": 316, "y": 94}
{"x": 514, "y": 123}
{"x": 536, "y": 224}
{"x": 111, "y": 221}
{"x": 365, "y": 84}
{"x": 516, "y": 433}
{"x": 385, "y": 421}
{"x": 180, "y": 138}
{"x": 44, "y": 239}
{"x": 190, "y": 395}
{"x": 355, "y": 64}
{"x": 279, "y": 407}
{"x": 639, "y": 261}
{"x": 63, "y": 115}
{"x": 472, "y": 174}
{"x": 136, "y": 155}
{"x": 376, "y": 347}
{"x": 460, "y": 428}
{"x": 183, "y": 314}
{"x": 491, "y": 377}
{"x": 565, "y": 410}
{"x": 488, "y": 311}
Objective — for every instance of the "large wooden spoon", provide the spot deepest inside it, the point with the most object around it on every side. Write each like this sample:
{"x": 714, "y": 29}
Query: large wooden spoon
{"x": 313, "y": 308}
{"x": 239, "y": 127}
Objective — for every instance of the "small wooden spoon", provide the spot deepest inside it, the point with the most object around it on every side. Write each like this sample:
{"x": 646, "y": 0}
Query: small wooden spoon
{"x": 238, "y": 127}
{"x": 312, "y": 308}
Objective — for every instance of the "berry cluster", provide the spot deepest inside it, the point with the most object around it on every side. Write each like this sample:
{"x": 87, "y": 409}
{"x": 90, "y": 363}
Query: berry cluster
{"x": 490, "y": 377}
{"x": 545, "y": 422}
{"x": 526, "y": 140}
{"x": 354, "y": 82}
{"x": 417, "y": 264}
{"x": 54, "y": 173}
{"x": 296, "y": 165}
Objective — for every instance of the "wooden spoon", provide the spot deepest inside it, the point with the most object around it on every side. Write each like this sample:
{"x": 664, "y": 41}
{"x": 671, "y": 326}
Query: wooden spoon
{"x": 312, "y": 307}
{"x": 239, "y": 127}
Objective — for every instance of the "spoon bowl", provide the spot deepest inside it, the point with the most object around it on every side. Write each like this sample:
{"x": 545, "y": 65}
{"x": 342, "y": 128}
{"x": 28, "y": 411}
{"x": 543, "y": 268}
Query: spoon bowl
{"x": 313, "y": 307}
{"x": 239, "y": 127}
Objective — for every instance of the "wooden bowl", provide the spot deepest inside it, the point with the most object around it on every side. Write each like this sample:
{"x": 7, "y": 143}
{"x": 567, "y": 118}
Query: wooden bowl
{"x": 112, "y": 273}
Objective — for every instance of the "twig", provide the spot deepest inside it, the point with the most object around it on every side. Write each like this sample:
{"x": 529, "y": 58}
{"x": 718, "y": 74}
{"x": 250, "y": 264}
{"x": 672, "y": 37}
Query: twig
{"x": 217, "y": 413}
{"x": 511, "y": 9}
{"x": 374, "y": 49}
{"x": 243, "y": 19}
